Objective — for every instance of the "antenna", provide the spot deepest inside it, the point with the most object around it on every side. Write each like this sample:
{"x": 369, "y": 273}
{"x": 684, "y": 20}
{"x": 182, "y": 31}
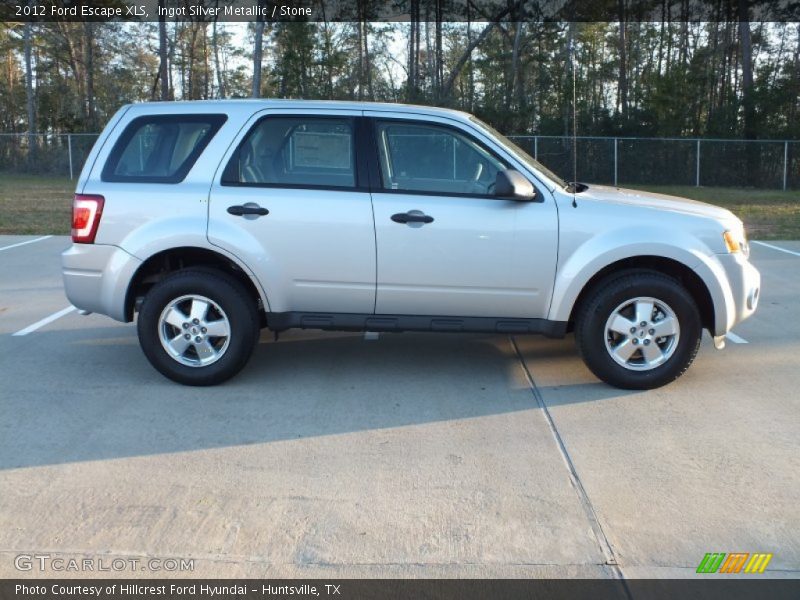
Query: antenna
{"x": 574, "y": 123}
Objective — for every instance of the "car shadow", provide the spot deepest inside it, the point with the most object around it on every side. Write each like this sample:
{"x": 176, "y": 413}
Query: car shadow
{"x": 99, "y": 398}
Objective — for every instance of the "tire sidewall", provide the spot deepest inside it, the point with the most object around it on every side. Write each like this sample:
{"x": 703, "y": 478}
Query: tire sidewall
{"x": 591, "y": 330}
{"x": 222, "y": 290}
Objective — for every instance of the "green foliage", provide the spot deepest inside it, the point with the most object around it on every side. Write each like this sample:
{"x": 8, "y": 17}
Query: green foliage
{"x": 680, "y": 79}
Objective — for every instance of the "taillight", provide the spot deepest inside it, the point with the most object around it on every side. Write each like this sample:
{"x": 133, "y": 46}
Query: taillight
{"x": 86, "y": 213}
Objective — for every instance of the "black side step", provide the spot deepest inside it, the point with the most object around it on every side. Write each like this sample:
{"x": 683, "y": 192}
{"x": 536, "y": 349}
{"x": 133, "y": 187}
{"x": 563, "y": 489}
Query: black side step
{"x": 280, "y": 321}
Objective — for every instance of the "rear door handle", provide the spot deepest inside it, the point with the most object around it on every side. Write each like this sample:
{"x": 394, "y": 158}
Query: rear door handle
{"x": 412, "y": 217}
{"x": 247, "y": 209}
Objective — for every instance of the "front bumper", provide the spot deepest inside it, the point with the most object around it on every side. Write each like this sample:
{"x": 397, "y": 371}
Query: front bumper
{"x": 96, "y": 278}
{"x": 745, "y": 287}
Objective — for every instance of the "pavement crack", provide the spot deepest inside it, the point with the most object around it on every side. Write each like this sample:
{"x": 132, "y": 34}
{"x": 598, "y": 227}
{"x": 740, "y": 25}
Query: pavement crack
{"x": 575, "y": 480}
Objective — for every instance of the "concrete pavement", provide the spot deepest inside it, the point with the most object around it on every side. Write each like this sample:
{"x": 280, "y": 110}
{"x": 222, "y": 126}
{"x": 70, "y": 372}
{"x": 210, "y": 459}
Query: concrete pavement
{"x": 413, "y": 455}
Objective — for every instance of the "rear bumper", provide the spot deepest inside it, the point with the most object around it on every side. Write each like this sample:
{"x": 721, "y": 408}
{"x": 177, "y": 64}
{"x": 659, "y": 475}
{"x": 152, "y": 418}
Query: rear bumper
{"x": 96, "y": 278}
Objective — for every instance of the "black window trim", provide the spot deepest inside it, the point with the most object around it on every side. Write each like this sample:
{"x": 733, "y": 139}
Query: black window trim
{"x": 360, "y": 171}
{"x": 216, "y": 120}
{"x": 376, "y": 179}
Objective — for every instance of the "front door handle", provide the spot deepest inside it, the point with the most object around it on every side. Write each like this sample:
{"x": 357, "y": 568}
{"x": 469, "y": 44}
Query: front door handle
{"x": 412, "y": 217}
{"x": 247, "y": 209}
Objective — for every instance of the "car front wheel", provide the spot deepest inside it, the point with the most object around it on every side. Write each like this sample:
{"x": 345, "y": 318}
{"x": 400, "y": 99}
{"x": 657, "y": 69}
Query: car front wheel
{"x": 198, "y": 327}
{"x": 639, "y": 330}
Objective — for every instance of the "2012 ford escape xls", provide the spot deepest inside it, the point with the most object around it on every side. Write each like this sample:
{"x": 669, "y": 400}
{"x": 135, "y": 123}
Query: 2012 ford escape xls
{"x": 213, "y": 220}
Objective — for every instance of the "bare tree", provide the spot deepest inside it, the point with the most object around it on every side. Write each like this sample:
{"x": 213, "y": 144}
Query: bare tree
{"x": 438, "y": 76}
{"x": 412, "y": 82}
{"x": 795, "y": 78}
{"x": 88, "y": 62}
{"x": 471, "y": 71}
{"x": 215, "y": 44}
{"x": 359, "y": 33}
{"x": 750, "y": 130}
{"x": 258, "y": 53}
{"x": 517, "y": 91}
{"x": 747, "y": 70}
{"x": 367, "y": 61}
{"x": 29, "y": 99}
{"x": 327, "y": 36}
{"x": 163, "y": 68}
{"x": 622, "y": 88}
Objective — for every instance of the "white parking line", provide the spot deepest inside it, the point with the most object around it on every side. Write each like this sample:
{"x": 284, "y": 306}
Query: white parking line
{"x": 371, "y": 336}
{"x": 735, "y": 338}
{"x": 39, "y": 239}
{"x": 778, "y": 248}
{"x": 45, "y": 321}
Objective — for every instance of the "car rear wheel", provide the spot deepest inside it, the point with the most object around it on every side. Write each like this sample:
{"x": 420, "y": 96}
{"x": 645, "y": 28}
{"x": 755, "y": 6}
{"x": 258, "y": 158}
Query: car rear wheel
{"x": 198, "y": 327}
{"x": 639, "y": 330}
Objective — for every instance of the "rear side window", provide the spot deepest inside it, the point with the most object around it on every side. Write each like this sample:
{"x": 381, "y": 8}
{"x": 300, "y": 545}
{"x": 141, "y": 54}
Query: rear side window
{"x": 295, "y": 152}
{"x": 160, "y": 148}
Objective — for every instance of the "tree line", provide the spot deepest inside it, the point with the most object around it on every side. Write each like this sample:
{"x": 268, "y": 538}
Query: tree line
{"x": 731, "y": 79}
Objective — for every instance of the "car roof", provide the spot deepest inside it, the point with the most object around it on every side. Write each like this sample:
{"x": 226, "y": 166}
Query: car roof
{"x": 253, "y": 104}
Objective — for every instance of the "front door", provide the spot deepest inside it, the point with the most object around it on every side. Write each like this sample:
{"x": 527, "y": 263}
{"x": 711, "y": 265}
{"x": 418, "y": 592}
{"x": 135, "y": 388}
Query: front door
{"x": 445, "y": 244}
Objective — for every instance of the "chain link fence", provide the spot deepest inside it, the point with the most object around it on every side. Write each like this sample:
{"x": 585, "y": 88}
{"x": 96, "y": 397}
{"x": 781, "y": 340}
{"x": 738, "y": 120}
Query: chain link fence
{"x": 766, "y": 164}
{"x": 50, "y": 154}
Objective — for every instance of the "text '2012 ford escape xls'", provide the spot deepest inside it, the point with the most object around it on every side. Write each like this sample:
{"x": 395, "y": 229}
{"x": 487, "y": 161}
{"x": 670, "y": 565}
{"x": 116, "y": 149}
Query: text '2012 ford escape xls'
{"x": 212, "y": 220}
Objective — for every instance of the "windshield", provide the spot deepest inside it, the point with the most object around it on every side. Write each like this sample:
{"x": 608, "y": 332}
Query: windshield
{"x": 520, "y": 153}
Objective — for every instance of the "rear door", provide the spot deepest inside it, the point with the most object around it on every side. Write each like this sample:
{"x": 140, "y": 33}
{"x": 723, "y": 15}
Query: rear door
{"x": 293, "y": 203}
{"x": 446, "y": 245}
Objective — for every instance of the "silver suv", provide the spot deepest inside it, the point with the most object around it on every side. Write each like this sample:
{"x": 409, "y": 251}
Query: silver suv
{"x": 213, "y": 220}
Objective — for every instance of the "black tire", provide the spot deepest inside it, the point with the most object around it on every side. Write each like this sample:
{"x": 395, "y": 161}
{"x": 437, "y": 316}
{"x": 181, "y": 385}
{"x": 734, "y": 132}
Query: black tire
{"x": 224, "y": 292}
{"x": 591, "y": 334}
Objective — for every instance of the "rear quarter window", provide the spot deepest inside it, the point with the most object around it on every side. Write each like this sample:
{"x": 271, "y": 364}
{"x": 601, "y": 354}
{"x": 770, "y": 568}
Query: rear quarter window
{"x": 160, "y": 148}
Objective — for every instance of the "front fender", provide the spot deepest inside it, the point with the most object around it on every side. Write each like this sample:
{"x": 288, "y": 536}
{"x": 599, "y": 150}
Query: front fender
{"x": 588, "y": 258}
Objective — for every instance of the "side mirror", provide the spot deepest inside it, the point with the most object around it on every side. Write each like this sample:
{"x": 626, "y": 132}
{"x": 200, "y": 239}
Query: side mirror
{"x": 513, "y": 185}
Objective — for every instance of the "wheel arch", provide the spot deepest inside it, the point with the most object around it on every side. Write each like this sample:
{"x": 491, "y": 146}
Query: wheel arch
{"x": 159, "y": 265}
{"x": 686, "y": 276}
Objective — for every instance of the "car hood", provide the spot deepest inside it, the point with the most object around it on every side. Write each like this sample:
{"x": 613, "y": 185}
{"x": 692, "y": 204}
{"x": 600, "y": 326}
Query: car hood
{"x": 604, "y": 193}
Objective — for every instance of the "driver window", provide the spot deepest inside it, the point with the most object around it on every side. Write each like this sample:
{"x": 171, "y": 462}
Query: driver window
{"x": 421, "y": 157}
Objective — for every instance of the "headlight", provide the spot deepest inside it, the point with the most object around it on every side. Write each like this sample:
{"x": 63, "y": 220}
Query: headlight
{"x": 737, "y": 242}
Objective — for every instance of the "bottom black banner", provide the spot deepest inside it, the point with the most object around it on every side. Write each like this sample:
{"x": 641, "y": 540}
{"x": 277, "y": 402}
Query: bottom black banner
{"x": 387, "y": 589}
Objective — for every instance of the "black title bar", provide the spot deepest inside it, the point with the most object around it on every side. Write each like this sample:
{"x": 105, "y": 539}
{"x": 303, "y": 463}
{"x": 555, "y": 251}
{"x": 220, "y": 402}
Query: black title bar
{"x": 400, "y": 10}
